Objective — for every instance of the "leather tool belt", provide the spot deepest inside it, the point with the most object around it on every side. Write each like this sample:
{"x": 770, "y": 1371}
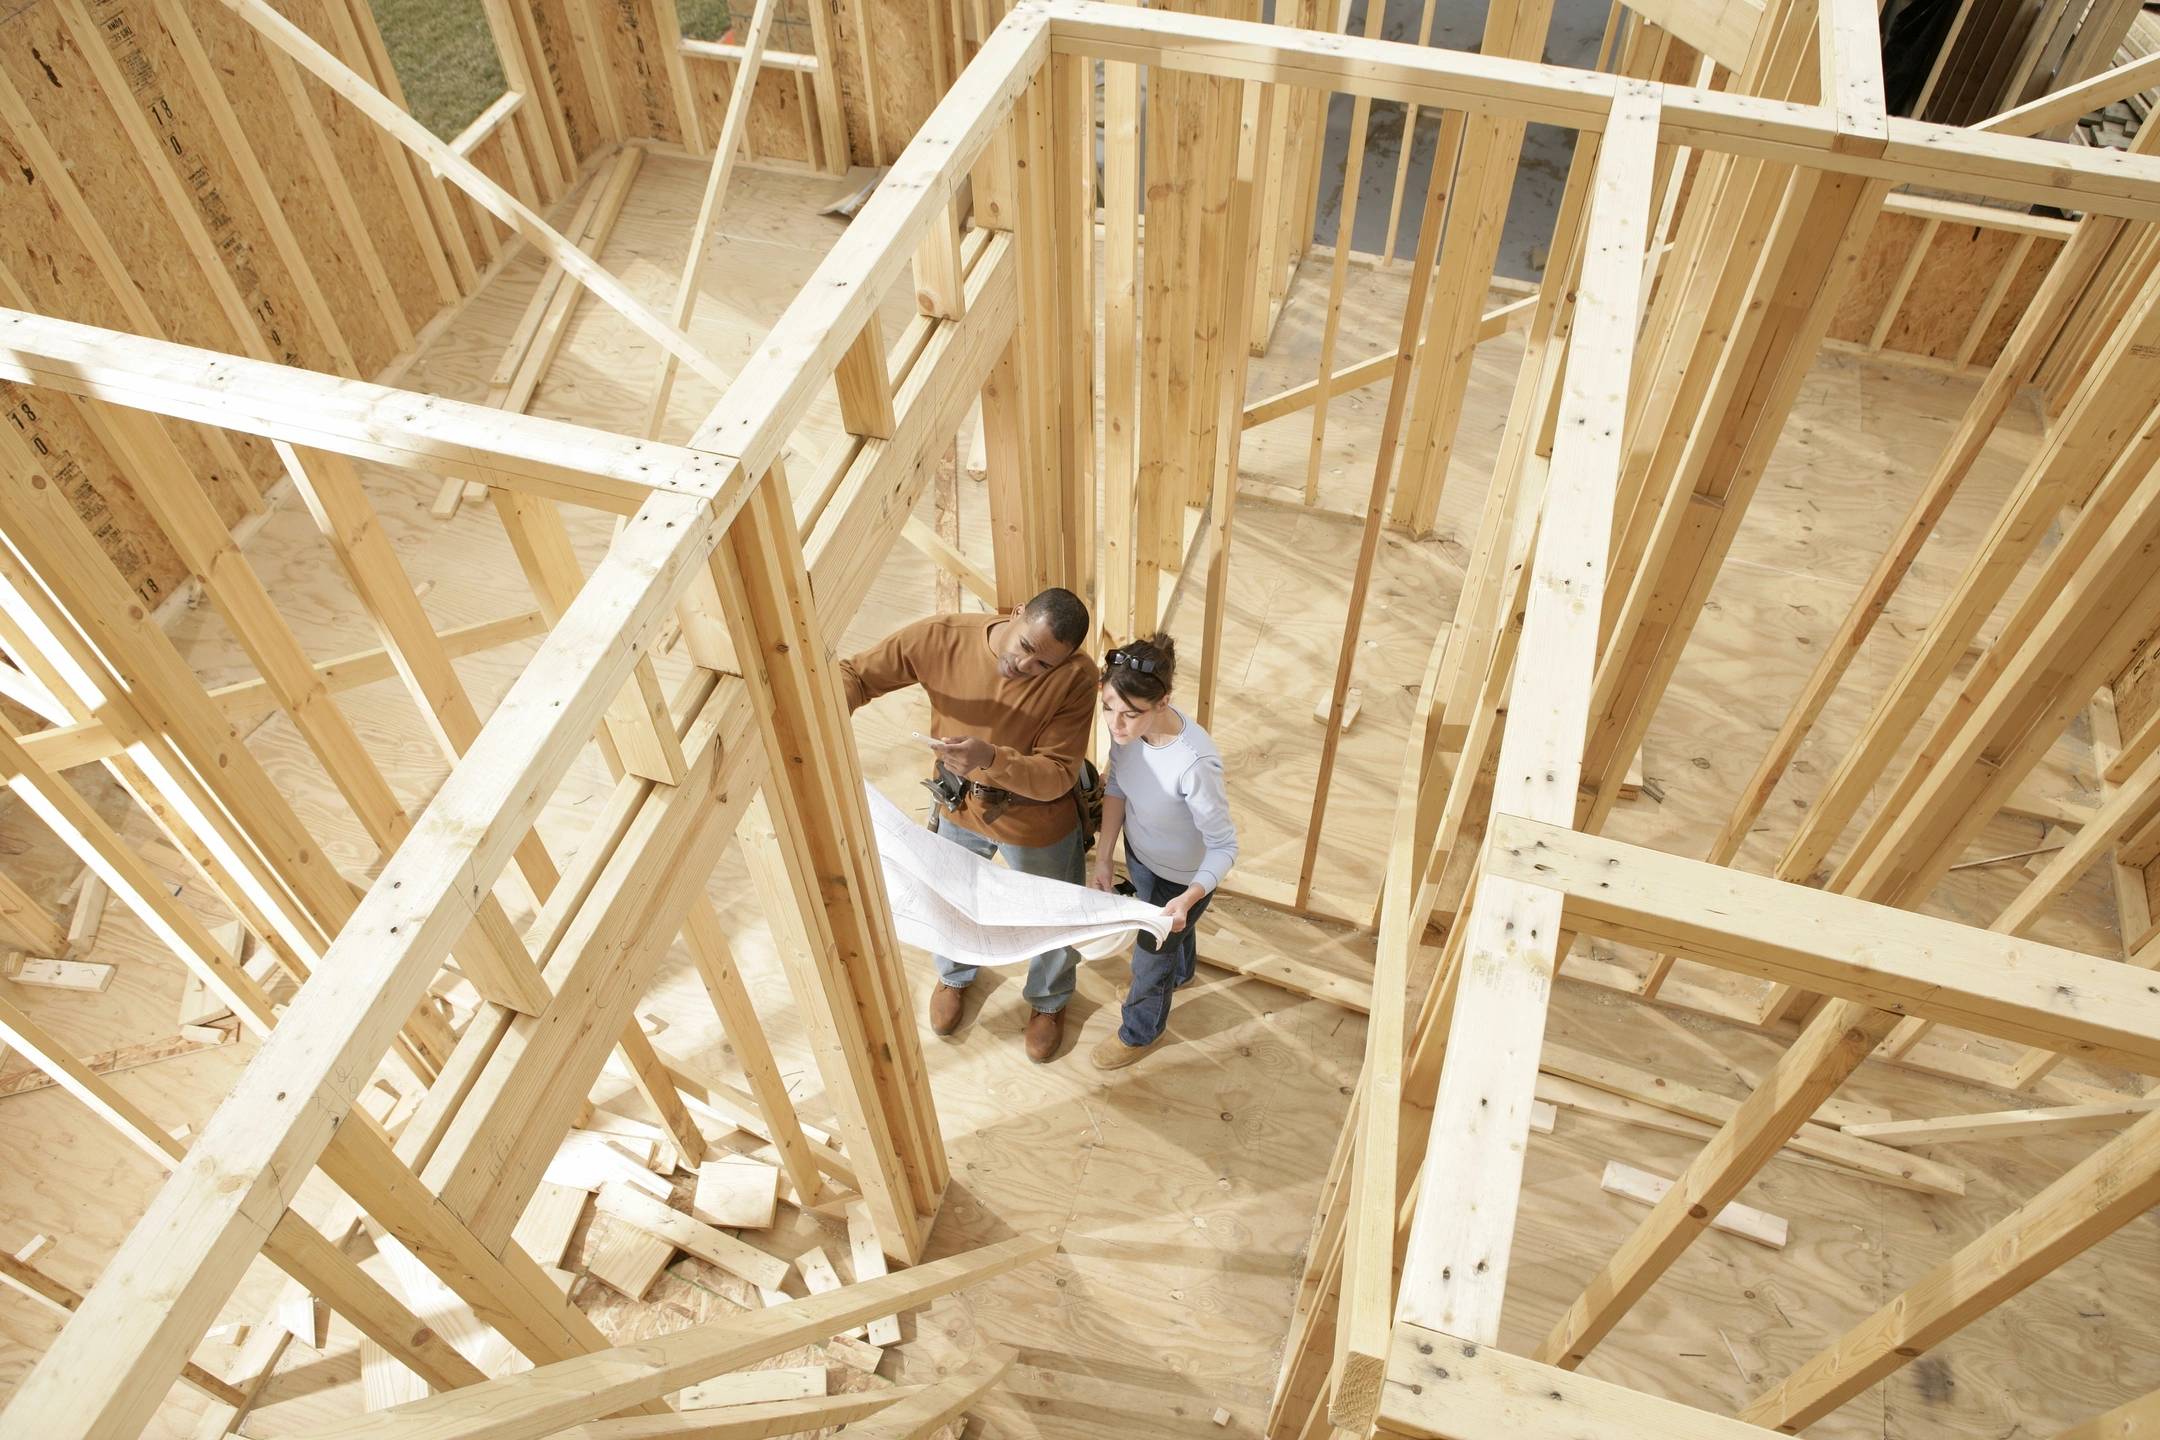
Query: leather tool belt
{"x": 952, "y": 792}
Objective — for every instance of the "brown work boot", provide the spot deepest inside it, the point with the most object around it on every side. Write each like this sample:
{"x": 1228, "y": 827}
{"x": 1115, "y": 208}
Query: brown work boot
{"x": 1044, "y": 1029}
{"x": 945, "y": 1003}
{"x": 1111, "y": 1053}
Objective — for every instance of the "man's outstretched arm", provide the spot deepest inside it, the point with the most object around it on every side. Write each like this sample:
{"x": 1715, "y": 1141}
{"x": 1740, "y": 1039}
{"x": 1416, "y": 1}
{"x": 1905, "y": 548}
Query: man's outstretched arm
{"x": 885, "y": 667}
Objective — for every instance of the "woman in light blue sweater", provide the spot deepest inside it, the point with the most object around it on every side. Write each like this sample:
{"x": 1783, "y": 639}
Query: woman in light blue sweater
{"x": 1164, "y": 793}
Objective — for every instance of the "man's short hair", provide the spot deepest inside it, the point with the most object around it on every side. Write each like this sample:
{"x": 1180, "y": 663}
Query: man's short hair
{"x": 1064, "y": 612}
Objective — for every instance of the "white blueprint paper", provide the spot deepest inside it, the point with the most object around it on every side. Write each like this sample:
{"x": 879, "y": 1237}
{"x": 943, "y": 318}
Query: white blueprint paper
{"x": 955, "y": 903}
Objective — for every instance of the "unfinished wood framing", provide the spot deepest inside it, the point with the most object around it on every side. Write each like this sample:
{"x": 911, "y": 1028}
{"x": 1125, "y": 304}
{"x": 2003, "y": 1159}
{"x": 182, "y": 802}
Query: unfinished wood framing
{"x": 1712, "y": 238}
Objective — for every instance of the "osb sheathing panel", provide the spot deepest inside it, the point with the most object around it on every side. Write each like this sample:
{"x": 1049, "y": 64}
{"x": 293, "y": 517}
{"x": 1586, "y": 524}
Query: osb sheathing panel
{"x": 2038, "y": 261}
{"x": 2137, "y": 687}
{"x": 903, "y": 71}
{"x": 49, "y": 263}
{"x": 1946, "y": 294}
{"x": 632, "y": 46}
{"x": 47, "y": 253}
{"x": 1888, "y": 245}
{"x": 162, "y": 89}
{"x": 565, "y": 76}
{"x": 362, "y": 161}
{"x": 630, "y": 41}
{"x": 62, "y": 94}
{"x": 302, "y": 193}
{"x": 779, "y": 111}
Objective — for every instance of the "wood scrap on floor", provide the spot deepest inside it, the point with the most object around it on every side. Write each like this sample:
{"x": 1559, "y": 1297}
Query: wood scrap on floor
{"x": 747, "y": 1387}
{"x": 108, "y": 1062}
{"x": 1744, "y": 1221}
{"x": 855, "y": 1354}
{"x": 624, "y": 1257}
{"x": 1820, "y": 1142}
{"x": 89, "y": 914}
{"x": 47, "y": 973}
{"x": 737, "y": 1192}
{"x": 2006, "y": 1124}
{"x": 634, "y": 1207}
{"x": 587, "y": 1160}
{"x": 550, "y": 1220}
{"x": 1351, "y": 700}
{"x": 869, "y": 1258}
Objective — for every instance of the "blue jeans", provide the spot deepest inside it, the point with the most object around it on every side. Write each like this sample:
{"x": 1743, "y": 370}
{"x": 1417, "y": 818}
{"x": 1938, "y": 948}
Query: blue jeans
{"x": 1157, "y": 970}
{"x": 1050, "y": 975}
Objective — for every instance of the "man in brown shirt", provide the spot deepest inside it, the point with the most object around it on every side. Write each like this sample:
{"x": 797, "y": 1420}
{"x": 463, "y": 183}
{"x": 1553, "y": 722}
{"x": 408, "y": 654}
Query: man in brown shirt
{"x": 1012, "y": 700}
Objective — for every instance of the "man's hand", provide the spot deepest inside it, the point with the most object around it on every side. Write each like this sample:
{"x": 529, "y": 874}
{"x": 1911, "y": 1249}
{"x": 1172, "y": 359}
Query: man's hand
{"x": 1100, "y": 877}
{"x": 1177, "y": 909}
{"x": 963, "y": 755}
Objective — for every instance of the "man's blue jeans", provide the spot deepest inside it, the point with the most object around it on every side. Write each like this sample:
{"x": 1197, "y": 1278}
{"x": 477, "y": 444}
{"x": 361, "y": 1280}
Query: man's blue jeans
{"x": 1156, "y": 971}
{"x": 1051, "y": 975}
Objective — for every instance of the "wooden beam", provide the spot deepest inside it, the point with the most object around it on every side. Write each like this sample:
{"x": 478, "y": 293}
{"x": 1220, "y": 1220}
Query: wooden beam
{"x": 1455, "y": 1272}
{"x": 2090, "y": 1202}
{"x": 1984, "y": 217}
{"x": 1832, "y": 1046}
{"x": 350, "y": 417}
{"x": 1422, "y": 279}
{"x": 756, "y": 1421}
{"x": 1366, "y": 1265}
{"x": 1820, "y": 1142}
{"x": 1441, "y": 1387}
{"x": 2028, "y": 171}
{"x": 1497, "y": 321}
{"x": 814, "y": 793}
{"x": 951, "y": 561}
{"x": 2005, "y": 1124}
{"x": 245, "y": 701}
{"x": 27, "y": 1279}
{"x": 730, "y": 53}
{"x": 1891, "y": 959}
{"x": 2129, "y": 1421}
{"x": 1338, "y": 273}
{"x": 1117, "y": 615}
{"x": 925, "y": 1412}
{"x": 2132, "y": 77}
{"x": 1240, "y": 275}
{"x": 104, "y": 1372}
{"x": 542, "y": 1402}
{"x": 1742, "y": 1220}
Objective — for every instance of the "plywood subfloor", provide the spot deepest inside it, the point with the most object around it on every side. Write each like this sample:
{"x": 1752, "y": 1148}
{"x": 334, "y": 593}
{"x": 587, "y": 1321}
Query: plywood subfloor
{"x": 1183, "y": 1187}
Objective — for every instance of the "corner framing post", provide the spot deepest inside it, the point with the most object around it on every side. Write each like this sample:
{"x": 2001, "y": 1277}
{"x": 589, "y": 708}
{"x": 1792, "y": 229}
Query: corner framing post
{"x": 1455, "y": 1268}
{"x": 1071, "y": 139}
{"x": 814, "y": 792}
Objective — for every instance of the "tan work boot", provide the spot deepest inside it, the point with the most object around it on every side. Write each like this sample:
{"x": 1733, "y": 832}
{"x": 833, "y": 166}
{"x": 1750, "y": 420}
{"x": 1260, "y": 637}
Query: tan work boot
{"x": 945, "y": 1003}
{"x": 1044, "y": 1029}
{"x": 1112, "y": 1053}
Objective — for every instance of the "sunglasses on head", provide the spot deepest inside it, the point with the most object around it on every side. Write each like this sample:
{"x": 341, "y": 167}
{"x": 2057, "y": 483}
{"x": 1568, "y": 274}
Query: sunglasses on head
{"x": 1137, "y": 663}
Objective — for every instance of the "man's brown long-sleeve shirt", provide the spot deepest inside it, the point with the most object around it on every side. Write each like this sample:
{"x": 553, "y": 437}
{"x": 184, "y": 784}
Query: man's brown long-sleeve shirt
{"x": 1038, "y": 726}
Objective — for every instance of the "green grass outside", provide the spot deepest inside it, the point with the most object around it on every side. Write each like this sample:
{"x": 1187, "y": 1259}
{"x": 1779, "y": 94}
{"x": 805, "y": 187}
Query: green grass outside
{"x": 703, "y": 19}
{"x": 445, "y": 59}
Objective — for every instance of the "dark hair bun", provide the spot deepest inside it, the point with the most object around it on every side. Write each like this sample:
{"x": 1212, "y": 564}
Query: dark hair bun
{"x": 1142, "y": 670}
